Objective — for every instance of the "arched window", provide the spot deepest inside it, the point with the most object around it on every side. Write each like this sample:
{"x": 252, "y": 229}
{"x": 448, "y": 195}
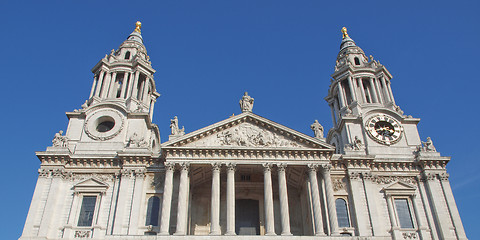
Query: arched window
{"x": 342, "y": 213}
{"x": 153, "y": 211}
{"x": 127, "y": 55}
{"x": 357, "y": 61}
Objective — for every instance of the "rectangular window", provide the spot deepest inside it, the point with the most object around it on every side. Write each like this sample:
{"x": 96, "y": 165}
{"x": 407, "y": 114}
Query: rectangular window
{"x": 87, "y": 210}
{"x": 403, "y": 213}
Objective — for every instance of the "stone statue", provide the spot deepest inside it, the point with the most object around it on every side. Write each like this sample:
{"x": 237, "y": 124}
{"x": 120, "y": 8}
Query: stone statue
{"x": 59, "y": 140}
{"x": 317, "y": 129}
{"x": 246, "y": 103}
{"x": 428, "y": 145}
{"x": 176, "y": 131}
{"x": 356, "y": 145}
{"x": 137, "y": 141}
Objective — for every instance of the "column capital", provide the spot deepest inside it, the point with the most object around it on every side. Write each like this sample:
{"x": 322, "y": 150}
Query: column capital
{"x": 312, "y": 167}
{"x": 216, "y": 166}
{"x": 231, "y": 166}
{"x": 326, "y": 167}
{"x": 267, "y": 167}
{"x": 169, "y": 166}
{"x": 443, "y": 176}
{"x": 281, "y": 167}
{"x": 185, "y": 166}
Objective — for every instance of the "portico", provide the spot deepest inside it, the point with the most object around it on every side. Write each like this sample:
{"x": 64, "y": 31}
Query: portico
{"x": 219, "y": 165}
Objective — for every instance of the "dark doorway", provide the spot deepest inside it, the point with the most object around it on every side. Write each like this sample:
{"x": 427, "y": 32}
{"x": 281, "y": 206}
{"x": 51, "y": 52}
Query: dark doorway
{"x": 247, "y": 220}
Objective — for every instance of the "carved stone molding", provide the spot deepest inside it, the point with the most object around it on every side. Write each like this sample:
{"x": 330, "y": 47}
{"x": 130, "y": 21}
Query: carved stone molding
{"x": 170, "y": 166}
{"x": 338, "y": 184}
{"x": 82, "y": 234}
{"x": 326, "y": 167}
{"x": 390, "y": 179}
{"x": 55, "y": 173}
{"x": 354, "y": 175}
{"x": 312, "y": 167}
{"x": 131, "y": 172}
{"x": 443, "y": 176}
{"x": 429, "y": 176}
{"x": 185, "y": 166}
{"x": 409, "y": 235}
{"x": 100, "y": 177}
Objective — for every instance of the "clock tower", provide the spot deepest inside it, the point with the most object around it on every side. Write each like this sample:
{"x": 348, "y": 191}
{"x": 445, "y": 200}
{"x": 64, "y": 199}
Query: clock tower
{"x": 365, "y": 117}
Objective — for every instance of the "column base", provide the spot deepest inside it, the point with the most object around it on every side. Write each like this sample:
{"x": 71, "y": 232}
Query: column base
{"x": 270, "y": 234}
{"x": 179, "y": 234}
{"x": 287, "y": 234}
{"x": 163, "y": 234}
{"x": 230, "y": 234}
{"x": 215, "y": 233}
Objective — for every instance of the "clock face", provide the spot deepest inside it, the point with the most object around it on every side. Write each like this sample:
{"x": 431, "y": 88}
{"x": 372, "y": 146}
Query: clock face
{"x": 384, "y": 129}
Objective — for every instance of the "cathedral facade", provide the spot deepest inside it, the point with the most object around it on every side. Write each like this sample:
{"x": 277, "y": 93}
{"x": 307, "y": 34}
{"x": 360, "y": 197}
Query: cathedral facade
{"x": 369, "y": 177}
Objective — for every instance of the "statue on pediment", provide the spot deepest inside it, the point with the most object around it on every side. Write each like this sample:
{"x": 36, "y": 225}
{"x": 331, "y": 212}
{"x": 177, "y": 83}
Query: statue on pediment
{"x": 246, "y": 103}
{"x": 176, "y": 131}
{"x": 137, "y": 141}
{"x": 317, "y": 129}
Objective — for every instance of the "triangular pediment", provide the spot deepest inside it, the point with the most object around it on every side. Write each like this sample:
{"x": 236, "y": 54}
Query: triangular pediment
{"x": 247, "y": 130}
{"x": 400, "y": 188}
{"x": 90, "y": 185}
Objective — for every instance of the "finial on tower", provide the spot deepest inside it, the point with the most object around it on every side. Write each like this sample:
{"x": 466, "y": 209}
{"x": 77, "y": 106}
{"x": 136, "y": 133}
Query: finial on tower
{"x": 138, "y": 26}
{"x": 344, "y": 31}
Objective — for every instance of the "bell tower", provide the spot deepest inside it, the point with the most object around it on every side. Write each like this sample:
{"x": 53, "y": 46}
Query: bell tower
{"x": 119, "y": 110}
{"x": 364, "y": 114}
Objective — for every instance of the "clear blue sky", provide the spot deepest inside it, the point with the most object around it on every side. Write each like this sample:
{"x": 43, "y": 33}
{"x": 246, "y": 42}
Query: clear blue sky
{"x": 207, "y": 53}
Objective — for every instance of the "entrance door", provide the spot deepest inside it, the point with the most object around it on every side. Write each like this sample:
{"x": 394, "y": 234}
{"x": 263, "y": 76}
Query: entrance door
{"x": 247, "y": 220}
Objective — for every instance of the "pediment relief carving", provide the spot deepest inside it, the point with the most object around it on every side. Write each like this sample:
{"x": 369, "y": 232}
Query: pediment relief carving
{"x": 400, "y": 188}
{"x": 247, "y": 135}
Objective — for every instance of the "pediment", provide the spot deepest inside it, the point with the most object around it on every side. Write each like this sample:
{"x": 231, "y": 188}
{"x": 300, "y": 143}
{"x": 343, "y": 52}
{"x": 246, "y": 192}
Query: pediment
{"x": 400, "y": 188}
{"x": 247, "y": 130}
{"x": 90, "y": 185}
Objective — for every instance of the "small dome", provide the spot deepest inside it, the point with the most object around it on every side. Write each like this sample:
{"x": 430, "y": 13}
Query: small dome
{"x": 135, "y": 36}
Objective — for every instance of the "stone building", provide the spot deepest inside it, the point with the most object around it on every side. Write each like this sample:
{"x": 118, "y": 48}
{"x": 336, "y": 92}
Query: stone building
{"x": 371, "y": 177}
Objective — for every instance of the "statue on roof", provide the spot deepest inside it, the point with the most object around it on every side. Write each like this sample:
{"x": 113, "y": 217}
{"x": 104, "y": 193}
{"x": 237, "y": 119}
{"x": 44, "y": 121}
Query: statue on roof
{"x": 317, "y": 129}
{"x": 246, "y": 103}
{"x": 138, "y": 26}
{"x": 344, "y": 32}
{"x": 428, "y": 145}
{"x": 176, "y": 131}
{"x": 59, "y": 140}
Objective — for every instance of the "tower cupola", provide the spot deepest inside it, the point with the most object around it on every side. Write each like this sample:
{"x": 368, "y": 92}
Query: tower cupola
{"x": 125, "y": 77}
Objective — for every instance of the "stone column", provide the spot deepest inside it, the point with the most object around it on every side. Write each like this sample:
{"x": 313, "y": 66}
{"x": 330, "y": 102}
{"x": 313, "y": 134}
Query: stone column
{"x": 352, "y": 89}
{"x": 152, "y": 105}
{"x": 167, "y": 199}
{"x": 52, "y": 205}
{"x": 332, "y": 211}
{"x": 317, "y": 210}
{"x": 379, "y": 91}
{"x": 421, "y": 227}
{"x": 111, "y": 89}
{"x": 440, "y": 211}
{"x": 283, "y": 194}
{"x": 124, "y": 84}
{"x": 138, "y": 194}
{"x": 362, "y": 90}
{"x": 215, "y": 209}
{"x": 391, "y": 213}
{"x": 134, "y": 91}
{"x": 385, "y": 91}
{"x": 99, "y": 84}
{"x": 340, "y": 95}
{"x": 370, "y": 194}
{"x": 183, "y": 200}
{"x": 125, "y": 194}
{"x": 106, "y": 84}
{"x": 145, "y": 90}
{"x": 426, "y": 207}
{"x": 230, "y": 199}
{"x": 358, "y": 200}
{"x": 373, "y": 91}
{"x": 452, "y": 206}
{"x": 95, "y": 80}
{"x": 390, "y": 91}
{"x": 268, "y": 199}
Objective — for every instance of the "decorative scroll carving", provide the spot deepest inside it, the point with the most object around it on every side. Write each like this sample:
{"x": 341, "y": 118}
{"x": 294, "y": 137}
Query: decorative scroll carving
{"x": 82, "y": 234}
{"x": 267, "y": 167}
{"x": 409, "y": 235}
{"x": 327, "y": 167}
{"x": 131, "y": 172}
{"x": 169, "y": 166}
{"x": 185, "y": 166}
{"x": 354, "y": 175}
{"x": 338, "y": 184}
{"x": 246, "y": 103}
{"x": 312, "y": 167}
{"x": 57, "y": 173}
{"x": 429, "y": 176}
{"x": 59, "y": 140}
{"x": 390, "y": 179}
{"x": 317, "y": 129}
{"x": 443, "y": 176}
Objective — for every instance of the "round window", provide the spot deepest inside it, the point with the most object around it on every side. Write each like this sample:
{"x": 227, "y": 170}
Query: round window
{"x": 105, "y": 125}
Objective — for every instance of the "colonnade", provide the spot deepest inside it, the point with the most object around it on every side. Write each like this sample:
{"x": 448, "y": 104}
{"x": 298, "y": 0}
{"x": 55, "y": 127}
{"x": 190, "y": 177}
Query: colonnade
{"x": 183, "y": 195}
{"x": 376, "y": 93}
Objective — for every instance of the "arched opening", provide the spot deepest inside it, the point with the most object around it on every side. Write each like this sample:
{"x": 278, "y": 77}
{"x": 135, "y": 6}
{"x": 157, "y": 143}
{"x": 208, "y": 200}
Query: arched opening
{"x": 357, "y": 61}
{"x": 342, "y": 212}
{"x": 153, "y": 211}
{"x": 127, "y": 55}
